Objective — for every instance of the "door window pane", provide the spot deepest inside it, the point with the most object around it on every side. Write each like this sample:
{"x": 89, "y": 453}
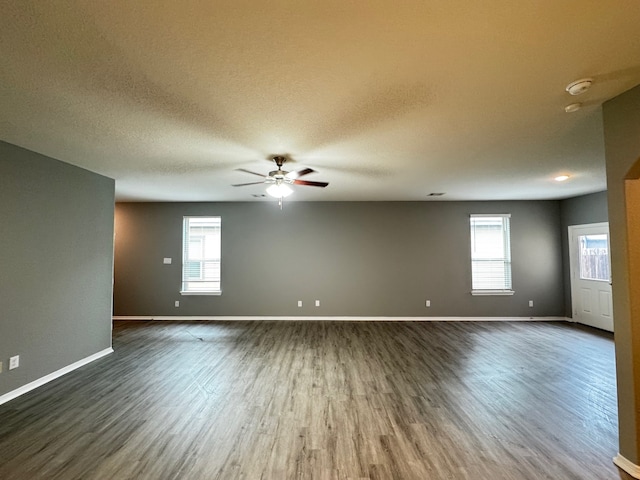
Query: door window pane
{"x": 594, "y": 257}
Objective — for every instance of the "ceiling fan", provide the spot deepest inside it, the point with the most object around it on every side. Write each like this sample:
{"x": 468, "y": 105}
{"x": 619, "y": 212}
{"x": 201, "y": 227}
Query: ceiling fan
{"x": 279, "y": 180}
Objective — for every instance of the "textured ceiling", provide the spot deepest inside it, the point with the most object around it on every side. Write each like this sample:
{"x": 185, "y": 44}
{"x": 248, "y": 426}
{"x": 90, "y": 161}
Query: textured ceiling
{"x": 386, "y": 100}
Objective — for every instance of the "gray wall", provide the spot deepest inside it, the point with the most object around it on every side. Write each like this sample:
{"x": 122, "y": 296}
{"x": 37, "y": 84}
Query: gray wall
{"x": 578, "y": 211}
{"x": 621, "y": 117}
{"x": 358, "y": 259}
{"x": 56, "y": 264}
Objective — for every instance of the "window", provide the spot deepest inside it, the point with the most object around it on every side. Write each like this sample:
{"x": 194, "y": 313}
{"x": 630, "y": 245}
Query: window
{"x": 594, "y": 257}
{"x": 490, "y": 255}
{"x": 201, "y": 256}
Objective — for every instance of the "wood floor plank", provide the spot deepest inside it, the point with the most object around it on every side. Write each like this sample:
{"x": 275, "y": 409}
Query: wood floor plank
{"x": 325, "y": 400}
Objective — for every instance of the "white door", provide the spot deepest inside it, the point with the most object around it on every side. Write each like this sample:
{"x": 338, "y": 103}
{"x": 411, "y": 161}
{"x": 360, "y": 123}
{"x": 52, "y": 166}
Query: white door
{"x": 591, "y": 275}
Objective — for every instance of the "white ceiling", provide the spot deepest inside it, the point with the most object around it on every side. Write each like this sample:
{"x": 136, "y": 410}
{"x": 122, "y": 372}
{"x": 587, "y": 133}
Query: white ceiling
{"x": 386, "y": 100}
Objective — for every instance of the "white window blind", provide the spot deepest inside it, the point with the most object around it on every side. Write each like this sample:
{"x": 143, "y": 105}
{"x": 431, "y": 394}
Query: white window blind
{"x": 491, "y": 254}
{"x": 201, "y": 253}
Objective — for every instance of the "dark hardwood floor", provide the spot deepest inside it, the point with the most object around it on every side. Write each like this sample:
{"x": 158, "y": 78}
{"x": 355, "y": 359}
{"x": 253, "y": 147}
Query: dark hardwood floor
{"x": 325, "y": 400}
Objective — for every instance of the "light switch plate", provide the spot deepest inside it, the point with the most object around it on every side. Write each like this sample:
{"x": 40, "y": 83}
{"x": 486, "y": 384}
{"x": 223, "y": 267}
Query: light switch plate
{"x": 166, "y": 260}
{"x": 14, "y": 362}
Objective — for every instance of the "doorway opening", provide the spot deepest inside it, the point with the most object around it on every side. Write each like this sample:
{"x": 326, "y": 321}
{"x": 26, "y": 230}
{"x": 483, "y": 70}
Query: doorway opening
{"x": 632, "y": 200}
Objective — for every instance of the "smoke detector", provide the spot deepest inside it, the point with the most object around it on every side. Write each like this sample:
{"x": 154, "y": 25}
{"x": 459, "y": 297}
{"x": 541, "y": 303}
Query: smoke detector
{"x": 574, "y": 107}
{"x": 579, "y": 86}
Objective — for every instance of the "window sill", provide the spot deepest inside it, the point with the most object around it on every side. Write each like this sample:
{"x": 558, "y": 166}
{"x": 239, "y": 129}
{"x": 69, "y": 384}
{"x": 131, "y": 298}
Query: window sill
{"x": 219, "y": 292}
{"x": 492, "y": 292}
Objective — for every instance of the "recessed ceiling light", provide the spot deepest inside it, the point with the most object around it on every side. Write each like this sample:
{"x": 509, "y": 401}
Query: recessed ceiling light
{"x": 574, "y": 107}
{"x": 579, "y": 86}
{"x": 561, "y": 178}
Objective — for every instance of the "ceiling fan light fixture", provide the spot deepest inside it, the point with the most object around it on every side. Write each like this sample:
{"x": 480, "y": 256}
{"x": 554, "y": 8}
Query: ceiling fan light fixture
{"x": 279, "y": 190}
{"x": 278, "y": 181}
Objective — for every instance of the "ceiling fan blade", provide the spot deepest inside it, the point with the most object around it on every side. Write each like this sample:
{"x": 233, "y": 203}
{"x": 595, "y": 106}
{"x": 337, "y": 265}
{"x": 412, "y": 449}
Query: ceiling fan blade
{"x": 299, "y": 173}
{"x": 310, "y": 184}
{"x": 249, "y": 171}
{"x": 245, "y": 184}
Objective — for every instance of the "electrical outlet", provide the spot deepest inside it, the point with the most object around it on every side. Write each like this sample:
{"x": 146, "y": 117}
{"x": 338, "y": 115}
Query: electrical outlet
{"x": 166, "y": 260}
{"x": 427, "y": 303}
{"x": 299, "y": 303}
{"x": 14, "y": 362}
{"x": 177, "y": 303}
{"x": 317, "y": 303}
{"x": 531, "y": 303}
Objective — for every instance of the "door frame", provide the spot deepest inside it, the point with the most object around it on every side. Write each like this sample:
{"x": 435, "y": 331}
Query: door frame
{"x": 573, "y": 231}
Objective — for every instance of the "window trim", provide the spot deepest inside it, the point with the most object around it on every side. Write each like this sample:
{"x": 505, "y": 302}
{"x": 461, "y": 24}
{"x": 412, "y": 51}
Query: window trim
{"x": 497, "y": 291}
{"x": 492, "y": 292}
{"x": 185, "y": 222}
{"x": 211, "y": 293}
